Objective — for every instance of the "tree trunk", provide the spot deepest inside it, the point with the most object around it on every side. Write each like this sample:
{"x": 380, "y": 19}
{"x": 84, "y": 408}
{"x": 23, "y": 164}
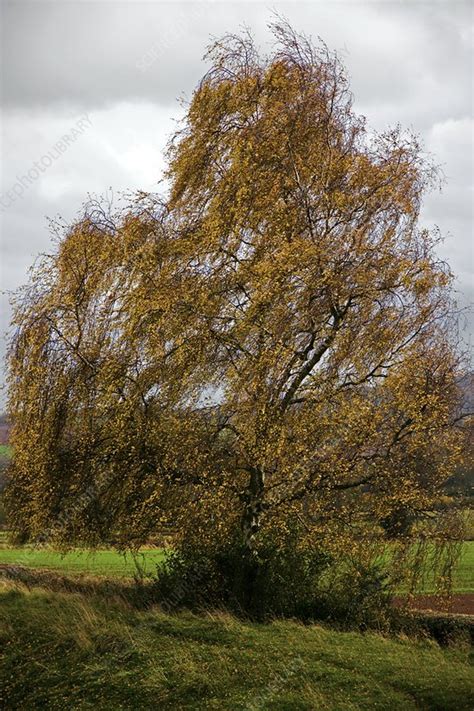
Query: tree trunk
{"x": 253, "y": 508}
{"x": 250, "y": 525}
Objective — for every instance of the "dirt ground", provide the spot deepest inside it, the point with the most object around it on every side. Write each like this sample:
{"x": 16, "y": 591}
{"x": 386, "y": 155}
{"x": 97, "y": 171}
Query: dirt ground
{"x": 457, "y": 604}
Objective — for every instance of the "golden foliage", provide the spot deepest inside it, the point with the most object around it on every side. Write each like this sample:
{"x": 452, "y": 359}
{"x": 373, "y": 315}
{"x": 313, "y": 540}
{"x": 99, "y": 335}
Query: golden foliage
{"x": 270, "y": 343}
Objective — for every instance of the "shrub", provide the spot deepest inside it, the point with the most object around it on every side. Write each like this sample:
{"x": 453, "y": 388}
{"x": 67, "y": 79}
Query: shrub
{"x": 283, "y": 579}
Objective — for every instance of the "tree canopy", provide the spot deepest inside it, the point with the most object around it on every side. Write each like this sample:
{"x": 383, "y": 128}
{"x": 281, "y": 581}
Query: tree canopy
{"x": 270, "y": 342}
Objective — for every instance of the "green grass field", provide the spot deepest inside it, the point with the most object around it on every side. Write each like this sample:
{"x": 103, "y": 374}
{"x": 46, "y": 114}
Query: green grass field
{"x": 111, "y": 563}
{"x": 102, "y": 562}
{"x": 70, "y": 651}
{"x": 463, "y": 576}
{"x": 464, "y": 573}
{"x": 5, "y": 450}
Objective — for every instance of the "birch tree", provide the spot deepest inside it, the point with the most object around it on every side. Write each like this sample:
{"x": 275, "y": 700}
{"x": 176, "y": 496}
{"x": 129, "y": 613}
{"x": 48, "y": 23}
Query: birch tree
{"x": 273, "y": 341}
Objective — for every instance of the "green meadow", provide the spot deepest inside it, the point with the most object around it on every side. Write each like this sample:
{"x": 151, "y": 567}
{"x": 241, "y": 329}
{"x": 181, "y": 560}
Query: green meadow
{"x": 110, "y": 563}
{"x": 107, "y": 563}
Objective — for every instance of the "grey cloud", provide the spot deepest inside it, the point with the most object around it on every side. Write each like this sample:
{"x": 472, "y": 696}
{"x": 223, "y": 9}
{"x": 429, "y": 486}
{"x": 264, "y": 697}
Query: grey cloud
{"x": 92, "y": 54}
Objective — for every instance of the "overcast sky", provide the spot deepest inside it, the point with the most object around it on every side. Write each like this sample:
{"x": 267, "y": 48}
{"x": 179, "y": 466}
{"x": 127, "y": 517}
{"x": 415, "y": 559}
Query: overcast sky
{"x": 107, "y": 75}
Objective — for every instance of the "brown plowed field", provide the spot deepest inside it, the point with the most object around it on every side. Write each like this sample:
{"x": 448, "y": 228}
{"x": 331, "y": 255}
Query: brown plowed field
{"x": 457, "y": 604}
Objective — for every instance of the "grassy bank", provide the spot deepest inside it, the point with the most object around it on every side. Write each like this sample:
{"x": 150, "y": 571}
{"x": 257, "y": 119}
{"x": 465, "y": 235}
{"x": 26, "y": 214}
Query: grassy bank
{"x": 79, "y": 652}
